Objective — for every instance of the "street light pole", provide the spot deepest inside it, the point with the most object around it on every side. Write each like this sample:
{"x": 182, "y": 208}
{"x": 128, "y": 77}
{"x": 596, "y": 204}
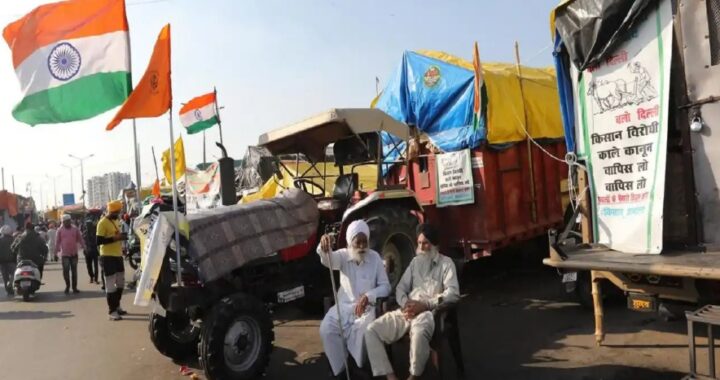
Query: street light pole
{"x": 82, "y": 174}
{"x": 72, "y": 190}
{"x": 54, "y": 178}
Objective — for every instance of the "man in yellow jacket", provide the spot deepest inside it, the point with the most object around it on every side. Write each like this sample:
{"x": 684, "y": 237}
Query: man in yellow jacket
{"x": 109, "y": 239}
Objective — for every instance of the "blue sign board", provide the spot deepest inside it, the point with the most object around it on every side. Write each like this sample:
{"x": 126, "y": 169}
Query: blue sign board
{"x": 68, "y": 199}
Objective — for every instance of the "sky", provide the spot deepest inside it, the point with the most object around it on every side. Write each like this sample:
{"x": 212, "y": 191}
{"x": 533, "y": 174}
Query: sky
{"x": 273, "y": 63}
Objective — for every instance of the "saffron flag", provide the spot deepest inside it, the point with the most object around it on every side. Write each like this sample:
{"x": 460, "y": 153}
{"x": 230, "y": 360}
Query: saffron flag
{"x": 479, "y": 82}
{"x": 179, "y": 161}
{"x": 72, "y": 59}
{"x": 156, "y": 189}
{"x": 153, "y": 95}
{"x": 199, "y": 113}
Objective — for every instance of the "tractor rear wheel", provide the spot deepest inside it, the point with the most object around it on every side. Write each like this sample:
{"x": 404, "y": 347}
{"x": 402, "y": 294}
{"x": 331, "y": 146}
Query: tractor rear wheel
{"x": 392, "y": 235}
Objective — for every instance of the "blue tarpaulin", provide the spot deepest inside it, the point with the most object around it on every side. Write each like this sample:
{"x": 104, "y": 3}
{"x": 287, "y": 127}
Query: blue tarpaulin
{"x": 565, "y": 90}
{"x": 435, "y": 96}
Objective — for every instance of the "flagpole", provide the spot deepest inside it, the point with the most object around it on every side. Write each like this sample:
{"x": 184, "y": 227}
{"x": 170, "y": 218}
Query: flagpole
{"x": 175, "y": 201}
{"x": 204, "y": 157}
{"x": 137, "y": 157}
{"x": 217, "y": 113}
{"x": 157, "y": 175}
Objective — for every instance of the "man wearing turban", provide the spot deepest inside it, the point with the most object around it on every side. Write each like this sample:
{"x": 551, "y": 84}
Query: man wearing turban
{"x": 429, "y": 281}
{"x": 109, "y": 238}
{"x": 362, "y": 281}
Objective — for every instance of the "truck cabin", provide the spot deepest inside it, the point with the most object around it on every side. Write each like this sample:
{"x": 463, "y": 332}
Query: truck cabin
{"x": 335, "y": 155}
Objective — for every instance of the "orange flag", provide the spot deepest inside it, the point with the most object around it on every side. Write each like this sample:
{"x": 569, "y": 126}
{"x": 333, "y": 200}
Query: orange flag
{"x": 153, "y": 95}
{"x": 156, "y": 189}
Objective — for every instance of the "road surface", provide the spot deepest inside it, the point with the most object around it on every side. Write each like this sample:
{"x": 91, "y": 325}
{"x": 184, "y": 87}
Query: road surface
{"x": 515, "y": 325}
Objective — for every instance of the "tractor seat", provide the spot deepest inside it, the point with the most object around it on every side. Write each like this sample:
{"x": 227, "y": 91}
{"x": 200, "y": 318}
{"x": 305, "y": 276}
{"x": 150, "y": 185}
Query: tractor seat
{"x": 345, "y": 187}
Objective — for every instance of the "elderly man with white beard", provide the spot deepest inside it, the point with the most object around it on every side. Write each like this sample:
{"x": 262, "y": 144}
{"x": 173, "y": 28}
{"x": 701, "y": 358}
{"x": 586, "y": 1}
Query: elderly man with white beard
{"x": 429, "y": 282}
{"x": 362, "y": 281}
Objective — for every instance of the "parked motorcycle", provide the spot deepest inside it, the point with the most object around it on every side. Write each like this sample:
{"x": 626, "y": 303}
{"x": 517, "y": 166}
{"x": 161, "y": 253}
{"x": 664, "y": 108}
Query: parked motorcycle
{"x": 26, "y": 279}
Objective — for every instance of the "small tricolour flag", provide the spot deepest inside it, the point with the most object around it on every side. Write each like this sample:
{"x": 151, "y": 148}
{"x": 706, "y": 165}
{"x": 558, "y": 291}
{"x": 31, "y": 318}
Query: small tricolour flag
{"x": 199, "y": 113}
{"x": 479, "y": 83}
{"x": 72, "y": 59}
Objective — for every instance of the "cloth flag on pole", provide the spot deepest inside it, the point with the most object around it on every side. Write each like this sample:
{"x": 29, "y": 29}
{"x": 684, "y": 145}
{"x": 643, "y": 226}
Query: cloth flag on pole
{"x": 72, "y": 59}
{"x": 479, "y": 83}
{"x": 152, "y": 96}
{"x": 199, "y": 113}
{"x": 156, "y": 189}
{"x": 179, "y": 161}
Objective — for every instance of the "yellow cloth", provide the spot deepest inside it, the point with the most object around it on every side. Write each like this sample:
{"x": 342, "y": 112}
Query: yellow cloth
{"x": 179, "y": 161}
{"x": 108, "y": 228}
{"x": 267, "y": 191}
{"x": 114, "y": 206}
{"x": 508, "y": 106}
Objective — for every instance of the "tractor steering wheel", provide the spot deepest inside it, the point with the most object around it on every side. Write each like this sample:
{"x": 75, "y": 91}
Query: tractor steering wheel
{"x": 305, "y": 183}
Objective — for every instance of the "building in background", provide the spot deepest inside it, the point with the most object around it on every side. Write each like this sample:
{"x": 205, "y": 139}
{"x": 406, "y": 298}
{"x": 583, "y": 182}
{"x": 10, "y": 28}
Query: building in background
{"x": 101, "y": 189}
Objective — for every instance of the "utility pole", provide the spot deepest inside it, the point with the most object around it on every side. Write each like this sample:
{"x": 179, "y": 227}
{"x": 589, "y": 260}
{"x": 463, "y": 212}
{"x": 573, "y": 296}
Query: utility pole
{"x": 82, "y": 174}
{"x": 3, "y": 178}
{"x": 13, "y": 183}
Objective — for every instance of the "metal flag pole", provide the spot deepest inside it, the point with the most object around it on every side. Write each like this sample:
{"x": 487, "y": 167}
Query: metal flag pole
{"x": 137, "y": 158}
{"x": 175, "y": 201}
{"x": 204, "y": 156}
{"x": 217, "y": 113}
{"x": 337, "y": 308}
{"x": 157, "y": 175}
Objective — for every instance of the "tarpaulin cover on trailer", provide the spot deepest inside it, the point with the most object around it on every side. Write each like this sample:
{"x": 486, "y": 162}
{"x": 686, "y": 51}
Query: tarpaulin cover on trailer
{"x": 592, "y": 28}
{"x": 435, "y": 92}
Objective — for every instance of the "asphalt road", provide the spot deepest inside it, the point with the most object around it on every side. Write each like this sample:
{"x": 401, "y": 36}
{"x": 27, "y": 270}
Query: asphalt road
{"x": 515, "y": 325}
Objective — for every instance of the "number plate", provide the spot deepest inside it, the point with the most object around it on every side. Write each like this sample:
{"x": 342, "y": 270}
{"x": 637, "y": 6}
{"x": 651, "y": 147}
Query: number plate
{"x": 644, "y": 303}
{"x": 291, "y": 294}
{"x": 569, "y": 277}
{"x": 25, "y": 283}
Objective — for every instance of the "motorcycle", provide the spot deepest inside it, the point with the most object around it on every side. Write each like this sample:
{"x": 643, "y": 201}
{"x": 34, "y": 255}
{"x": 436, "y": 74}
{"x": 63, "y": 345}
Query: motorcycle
{"x": 26, "y": 279}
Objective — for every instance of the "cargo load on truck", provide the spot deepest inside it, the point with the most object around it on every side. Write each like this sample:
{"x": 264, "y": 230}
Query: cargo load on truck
{"x": 512, "y": 189}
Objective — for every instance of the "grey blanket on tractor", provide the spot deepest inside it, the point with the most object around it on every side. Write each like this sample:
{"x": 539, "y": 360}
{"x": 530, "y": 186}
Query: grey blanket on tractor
{"x": 224, "y": 239}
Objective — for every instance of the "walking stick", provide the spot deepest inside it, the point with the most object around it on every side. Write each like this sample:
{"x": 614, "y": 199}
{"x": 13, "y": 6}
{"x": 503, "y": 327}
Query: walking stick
{"x": 337, "y": 307}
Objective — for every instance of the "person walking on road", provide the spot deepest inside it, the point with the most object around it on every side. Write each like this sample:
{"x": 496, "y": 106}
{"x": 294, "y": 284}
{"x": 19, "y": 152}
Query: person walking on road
{"x": 91, "y": 249}
{"x": 7, "y": 260}
{"x": 51, "y": 236}
{"x": 362, "y": 281}
{"x": 68, "y": 240}
{"x": 429, "y": 282}
{"x": 30, "y": 246}
{"x": 109, "y": 239}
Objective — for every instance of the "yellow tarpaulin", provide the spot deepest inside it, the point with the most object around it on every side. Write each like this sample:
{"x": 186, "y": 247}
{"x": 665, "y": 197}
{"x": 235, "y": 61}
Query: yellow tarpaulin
{"x": 509, "y": 107}
{"x": 367, "y": 176}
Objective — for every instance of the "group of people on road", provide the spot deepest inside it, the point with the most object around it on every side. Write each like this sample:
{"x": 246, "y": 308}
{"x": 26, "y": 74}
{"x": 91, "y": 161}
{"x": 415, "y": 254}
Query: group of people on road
{"x": 100, "y": 240}
{"x": 351, "y": 326}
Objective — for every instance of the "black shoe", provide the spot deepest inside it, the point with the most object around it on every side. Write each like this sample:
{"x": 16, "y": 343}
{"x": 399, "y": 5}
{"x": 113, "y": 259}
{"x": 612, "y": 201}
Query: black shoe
{"x": 76, "y": 291}
{"x": 67, "y": 290}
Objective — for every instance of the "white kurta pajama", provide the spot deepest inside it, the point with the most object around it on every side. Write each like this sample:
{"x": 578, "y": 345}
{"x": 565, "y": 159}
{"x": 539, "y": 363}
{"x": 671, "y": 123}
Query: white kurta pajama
{"x": 432, "y": 281}
{"x": 366, "y": 277}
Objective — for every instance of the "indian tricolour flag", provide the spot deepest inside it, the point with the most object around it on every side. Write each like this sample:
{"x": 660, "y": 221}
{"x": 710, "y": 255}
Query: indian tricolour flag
{"x": 199, "y": 113}
{"x": 72, "y": 59}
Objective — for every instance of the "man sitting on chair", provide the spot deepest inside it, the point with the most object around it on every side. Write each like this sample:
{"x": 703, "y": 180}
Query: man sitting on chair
{"x": 362, "y": 281}
{"x": 429, "y": 282}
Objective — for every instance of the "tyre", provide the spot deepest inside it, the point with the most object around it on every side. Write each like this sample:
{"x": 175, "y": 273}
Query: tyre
{"x": 26, "y": 297}
{"x": 392, "y": 235}
{"x": 174, "y": 335}
{"x": 236, "y": 339}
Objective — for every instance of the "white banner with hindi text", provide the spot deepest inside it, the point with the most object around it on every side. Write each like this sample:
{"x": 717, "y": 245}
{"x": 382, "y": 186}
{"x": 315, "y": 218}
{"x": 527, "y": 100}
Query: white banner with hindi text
{"x": 623, "y": 108}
